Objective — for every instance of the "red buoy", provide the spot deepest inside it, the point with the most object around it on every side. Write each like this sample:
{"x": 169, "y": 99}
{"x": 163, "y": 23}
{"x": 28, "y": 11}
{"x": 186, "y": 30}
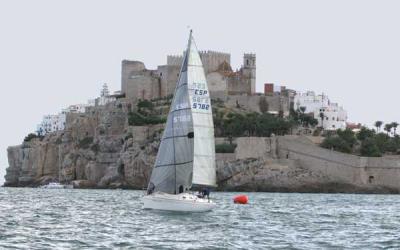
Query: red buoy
{"x": 241, "y": 199}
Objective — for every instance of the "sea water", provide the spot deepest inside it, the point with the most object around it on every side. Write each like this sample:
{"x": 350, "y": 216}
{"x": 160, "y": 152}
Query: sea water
{"x": 114, "y": 219}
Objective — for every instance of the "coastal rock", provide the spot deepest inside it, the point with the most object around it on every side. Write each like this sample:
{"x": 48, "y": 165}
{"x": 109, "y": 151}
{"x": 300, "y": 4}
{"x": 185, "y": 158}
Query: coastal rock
{"x": 99, "y": 150}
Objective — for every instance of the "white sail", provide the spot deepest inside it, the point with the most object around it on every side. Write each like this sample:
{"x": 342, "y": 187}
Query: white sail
{"x": 204, "y": 171}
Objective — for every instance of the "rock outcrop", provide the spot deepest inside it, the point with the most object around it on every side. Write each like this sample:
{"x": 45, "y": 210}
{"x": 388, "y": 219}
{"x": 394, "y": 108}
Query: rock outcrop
{"x": 98, "y": 149}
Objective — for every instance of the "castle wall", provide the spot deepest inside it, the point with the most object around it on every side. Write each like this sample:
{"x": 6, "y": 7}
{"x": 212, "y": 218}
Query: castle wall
{"x": 238, "y": 85}
{"x": 362, "y": 171}
{"x": 212, "y": 60}
{"x": 252, "y": 103}
{"x": 143, "y": 87}
{"x": 217, "y": 85}
{"x": 168, "y": 77}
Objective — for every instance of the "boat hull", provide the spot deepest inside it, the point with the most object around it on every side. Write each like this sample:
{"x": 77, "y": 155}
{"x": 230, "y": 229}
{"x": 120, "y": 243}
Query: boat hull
{"x": 181, "y": 202}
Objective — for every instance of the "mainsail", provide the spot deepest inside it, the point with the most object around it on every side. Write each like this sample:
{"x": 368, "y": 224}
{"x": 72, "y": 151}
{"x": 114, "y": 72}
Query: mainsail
{"x": 186, "y": 154}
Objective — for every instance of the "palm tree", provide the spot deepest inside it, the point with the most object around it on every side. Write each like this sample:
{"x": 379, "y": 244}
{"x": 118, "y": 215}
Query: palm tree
{"x": 394, "y": 126}
{"x": 378, "y": 125}
{"x": 388, "y": 128}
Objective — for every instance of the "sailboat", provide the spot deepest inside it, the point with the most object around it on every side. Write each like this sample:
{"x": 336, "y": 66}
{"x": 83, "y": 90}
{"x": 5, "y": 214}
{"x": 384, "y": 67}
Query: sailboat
{"x": 186, "y": 156}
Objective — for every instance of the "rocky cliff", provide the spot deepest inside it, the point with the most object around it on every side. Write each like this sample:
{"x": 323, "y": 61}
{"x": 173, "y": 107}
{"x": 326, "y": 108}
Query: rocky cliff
{"x": 98, "y": 149}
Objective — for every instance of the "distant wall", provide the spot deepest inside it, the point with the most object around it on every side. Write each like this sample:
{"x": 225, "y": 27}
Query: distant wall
{"x": 369, "y": 173}
{"x": 252, "y": 103}
{"x": 252, "y": 147}
{"x": 380, "y": 171}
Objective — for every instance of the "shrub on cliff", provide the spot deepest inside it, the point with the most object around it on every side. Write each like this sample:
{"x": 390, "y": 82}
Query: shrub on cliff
{"x": 145, "y": 104}
{"x": 251, "y": 124}
{"x": 30, "y": 136}
{"x": 137, "y": 119}
{"x": 85, "y": 142}
{"x": 369, "y": 148}
{"x": 348, "y": 136}
{"x": 365, "y": 143}
{"x": 336, "y": 143}
{"x": 225, "y": 148}
{"x": 365, "y": 133}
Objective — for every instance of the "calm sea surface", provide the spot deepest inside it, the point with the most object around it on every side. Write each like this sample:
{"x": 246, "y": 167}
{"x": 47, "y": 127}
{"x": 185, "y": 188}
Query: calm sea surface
{"x": 114, "y": 219}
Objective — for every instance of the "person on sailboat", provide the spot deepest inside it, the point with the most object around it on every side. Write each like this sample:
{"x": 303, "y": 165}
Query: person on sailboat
{"x": 151, "y": 188}
{"x": 206, "y": 192}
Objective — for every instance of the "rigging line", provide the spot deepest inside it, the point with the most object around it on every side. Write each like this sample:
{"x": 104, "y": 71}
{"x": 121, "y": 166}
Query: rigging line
{"x": 179, "y": 109}
{"x": 175, "y": 164}
{"x": 174, "y": 136}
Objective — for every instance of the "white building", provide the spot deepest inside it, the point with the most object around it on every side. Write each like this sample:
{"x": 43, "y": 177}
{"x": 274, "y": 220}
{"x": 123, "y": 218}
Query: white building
{"x": 76, "y": 108}
{"x": 51, "y": 123}
{"x": 330, "y": 116}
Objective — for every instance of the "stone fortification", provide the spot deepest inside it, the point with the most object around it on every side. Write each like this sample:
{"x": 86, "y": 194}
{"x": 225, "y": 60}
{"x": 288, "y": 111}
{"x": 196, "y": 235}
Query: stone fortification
{"x": 294, "y": 163}
{"x": 364, "y": 172}
{"x": 99, "y": 149}
{"x": 137, "y": 82}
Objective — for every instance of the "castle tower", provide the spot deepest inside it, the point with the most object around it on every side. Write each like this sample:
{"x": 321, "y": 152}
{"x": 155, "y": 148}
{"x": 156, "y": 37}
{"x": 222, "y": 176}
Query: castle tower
{"x": 127, "y": 69}
{"x": 249, "y": 71}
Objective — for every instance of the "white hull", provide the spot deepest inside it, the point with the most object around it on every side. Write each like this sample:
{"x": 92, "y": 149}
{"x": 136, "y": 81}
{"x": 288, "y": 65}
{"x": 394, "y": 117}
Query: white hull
{"x": 184, "y": 202}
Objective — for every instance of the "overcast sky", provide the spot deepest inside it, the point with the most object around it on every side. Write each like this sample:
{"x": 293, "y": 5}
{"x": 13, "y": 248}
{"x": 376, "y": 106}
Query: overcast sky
{"x": 57, "y": 53}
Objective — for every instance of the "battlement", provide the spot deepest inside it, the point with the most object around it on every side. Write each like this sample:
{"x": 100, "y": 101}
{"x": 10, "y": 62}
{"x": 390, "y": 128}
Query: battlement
{"x": 249, "y": 55}
{"x": 208, "y": 56}
{"x": 174, "y": 60}
{"x": 212, "y": 52}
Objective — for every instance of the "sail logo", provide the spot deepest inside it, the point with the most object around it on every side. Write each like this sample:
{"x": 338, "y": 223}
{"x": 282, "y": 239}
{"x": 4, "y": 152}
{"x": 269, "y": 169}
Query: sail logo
{"x": 183, "y": 105}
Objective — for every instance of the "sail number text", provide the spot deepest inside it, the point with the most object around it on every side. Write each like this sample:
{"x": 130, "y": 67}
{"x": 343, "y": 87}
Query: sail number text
{"x": 200, "y": 99}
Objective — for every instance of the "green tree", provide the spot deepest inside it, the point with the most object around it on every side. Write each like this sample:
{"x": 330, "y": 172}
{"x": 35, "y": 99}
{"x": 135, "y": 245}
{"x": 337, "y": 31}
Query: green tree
{"x": 365, "y": 133}
{"x": 381, "y": 141}
{"x": 388, "y": 128}
{"x": 347, "y": 135}
{"x": 369, "y": 148}
{"x": 336, "y": 143}
{"x": 378, "y": 125}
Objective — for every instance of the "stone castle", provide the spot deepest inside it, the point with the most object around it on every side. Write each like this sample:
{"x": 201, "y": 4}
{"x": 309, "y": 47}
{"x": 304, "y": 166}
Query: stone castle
{"x": 137, "y": 82}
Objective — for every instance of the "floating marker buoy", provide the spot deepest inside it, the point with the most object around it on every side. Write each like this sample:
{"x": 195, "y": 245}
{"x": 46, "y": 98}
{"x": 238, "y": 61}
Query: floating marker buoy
{"x": 241, "y": 199}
